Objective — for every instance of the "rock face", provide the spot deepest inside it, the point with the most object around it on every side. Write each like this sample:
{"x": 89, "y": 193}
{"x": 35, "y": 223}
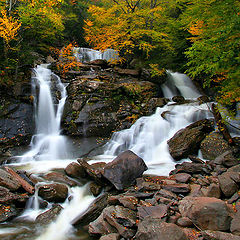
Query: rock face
{"x": 207, "y": 213}
{"x": 187, "y": 140}
{"x": 8, "y": 181}
{"x": 110, "y": 99}
{"x": 124, "y": 169}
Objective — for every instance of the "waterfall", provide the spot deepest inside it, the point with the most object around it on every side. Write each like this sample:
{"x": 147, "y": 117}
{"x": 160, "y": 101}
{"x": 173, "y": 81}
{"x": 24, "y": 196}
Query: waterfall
{"x": 148, "y": 136}
{"x": 47, "y": 143}
{"x": 88, "y": 55}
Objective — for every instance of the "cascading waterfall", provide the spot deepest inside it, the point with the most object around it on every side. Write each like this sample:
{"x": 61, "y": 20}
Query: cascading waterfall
{"x": 149, "y": 135}
{"x": 47, "y": 143}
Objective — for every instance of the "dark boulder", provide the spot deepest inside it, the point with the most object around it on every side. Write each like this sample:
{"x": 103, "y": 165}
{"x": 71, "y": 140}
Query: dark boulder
{"x": 187, "y": 141}
{"x": 124, "y": 169}
{"x": 60, "y": 178}
{"x": 54, "y": 192}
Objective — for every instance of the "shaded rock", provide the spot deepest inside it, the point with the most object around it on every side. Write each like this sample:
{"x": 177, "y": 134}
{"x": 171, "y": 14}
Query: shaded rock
{"x": 92, "y": 171}
{"x": 50, "y": 215}
{"x": 206, "y": 213}
{"x": 213, "y": 146}
{"x": 187, "y": 141}
{"x": 153, "y": 103}
{"x": 54, "y": 192}
{"x": 93, "y": 211}
{"x": 166, "y": 194}
{"x": 95, "y": 189}
{"x": 7, "y": 212}
{"x": 213, "y": 235}
{"x": 160, "y": 211}
{"x": 75, "y": 170}
{"x": 177, "y": 188}
{"x": 227, "y": 185}
{"x": 227, "y": 159}
{"x": 124, "y": 169}
{"x": 8, "y": 181}
{"x": 155, "y": 229}
{"x": 7, "y": 197}
{"x": 196, "y": 159}
{"x": 146, "y": 74}
{"x": 127, "y": 201}
{"x": 111, "y": 236}
{"x": 122, "y": 219}
{"x": 59, "y": 177}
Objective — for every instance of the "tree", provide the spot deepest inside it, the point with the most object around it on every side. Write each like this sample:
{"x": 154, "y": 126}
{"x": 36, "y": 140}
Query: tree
{"x": 214, "y": 54}
{"x": 127, "y": 26}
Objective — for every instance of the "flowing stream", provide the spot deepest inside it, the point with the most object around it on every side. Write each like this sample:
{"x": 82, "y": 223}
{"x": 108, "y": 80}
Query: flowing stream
{"x": 147, "y": 137}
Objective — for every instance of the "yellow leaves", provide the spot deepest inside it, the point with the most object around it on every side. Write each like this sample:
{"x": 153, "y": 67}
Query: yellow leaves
{"x": 8, "y": 27}
{"x": 196, "y": 29}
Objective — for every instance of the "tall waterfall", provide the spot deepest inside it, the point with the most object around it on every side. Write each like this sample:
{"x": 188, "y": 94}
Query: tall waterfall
{"x": 47, "y": 143}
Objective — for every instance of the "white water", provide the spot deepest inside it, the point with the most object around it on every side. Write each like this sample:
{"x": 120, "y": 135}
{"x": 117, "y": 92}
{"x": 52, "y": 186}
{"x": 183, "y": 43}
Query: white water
{"x": 61, "y": 229}
{"x": 88, "y": 55}
{"x": 47, "y": 143}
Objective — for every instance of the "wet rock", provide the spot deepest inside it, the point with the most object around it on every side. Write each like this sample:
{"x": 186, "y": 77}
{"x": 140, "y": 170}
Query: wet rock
{"x": 60, "y": 178}
{"x": 54, "y": 192}
{"x": 166, "y": 194}
{"x": 93, "y": 211}
{"x": 196, "y": 159}
{"x": 178, "y": 99}
{"x": 8, "y": 181}
{"x": 155, "y": 229}
{"x": 74, "y": 170}
{"x": 50, "y": 215}
{"x": 213, "y": 235}
{"x": 160, "y": 211}
{"x": 7, "y": 212}
{"x": 153, "y": 103}
{"x": 124, "y": 169}
{"x": 227, "y": 185}
{"x": 146, "y": 74}
{"x": 187, "y": 141}
{"x": 206, "y": 213}
{"x": 121, "y": 219}
{"x": 213, "y": 146}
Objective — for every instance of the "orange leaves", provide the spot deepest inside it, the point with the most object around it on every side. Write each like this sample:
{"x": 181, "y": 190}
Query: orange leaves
{"x": 8, "y": 27}
{"x": 66, "y": 60}
{"x": 196, "y": 29}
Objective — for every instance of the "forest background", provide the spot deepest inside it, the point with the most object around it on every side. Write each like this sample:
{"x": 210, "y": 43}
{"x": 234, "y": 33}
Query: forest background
{"x": 198, "y": 37}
